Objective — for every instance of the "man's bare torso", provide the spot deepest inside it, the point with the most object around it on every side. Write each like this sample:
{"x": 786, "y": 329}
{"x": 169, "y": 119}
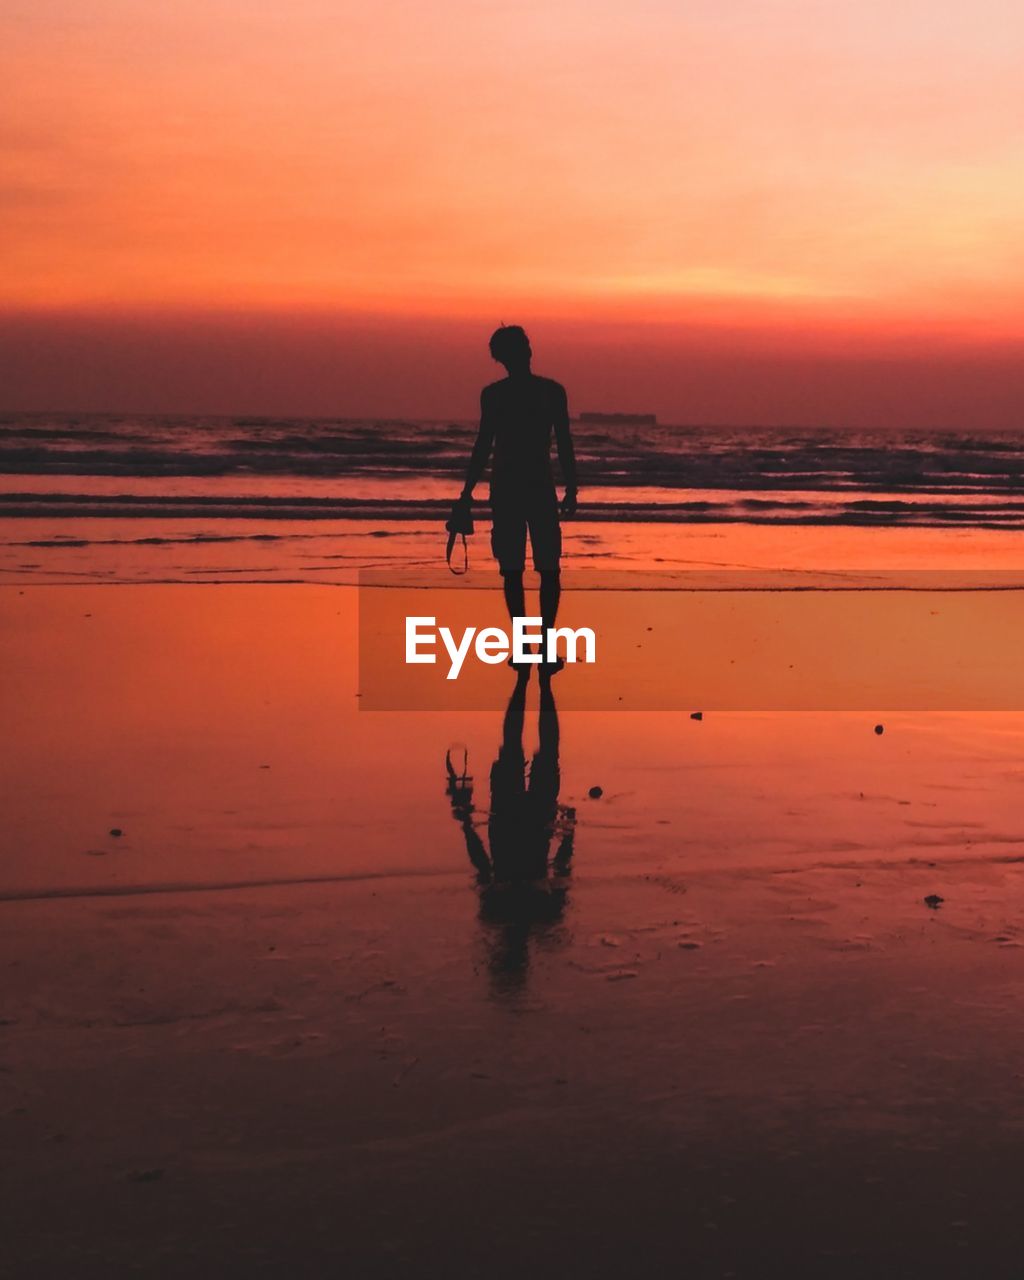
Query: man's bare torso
{"x": 523, "y": 412}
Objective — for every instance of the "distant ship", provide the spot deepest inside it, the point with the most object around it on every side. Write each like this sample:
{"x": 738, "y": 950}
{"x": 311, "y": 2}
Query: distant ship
{"x": 621, "y": 419}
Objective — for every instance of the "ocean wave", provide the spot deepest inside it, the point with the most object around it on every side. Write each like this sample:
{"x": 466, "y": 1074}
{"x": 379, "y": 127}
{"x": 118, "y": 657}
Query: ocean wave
{"x": 736, "y": 508}
{"x": 672, "y": 473}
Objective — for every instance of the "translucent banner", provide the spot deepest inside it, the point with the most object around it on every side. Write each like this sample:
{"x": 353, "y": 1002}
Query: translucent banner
{"x": 701, "y": 641}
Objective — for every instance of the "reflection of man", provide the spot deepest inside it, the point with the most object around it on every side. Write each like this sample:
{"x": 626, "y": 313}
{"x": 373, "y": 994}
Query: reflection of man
{"x": 517, "y": 417}
{"x": 521, "y": 892}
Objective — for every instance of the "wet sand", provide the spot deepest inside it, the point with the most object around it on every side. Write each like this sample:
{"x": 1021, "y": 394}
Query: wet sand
{"x": 281, "y": 1025}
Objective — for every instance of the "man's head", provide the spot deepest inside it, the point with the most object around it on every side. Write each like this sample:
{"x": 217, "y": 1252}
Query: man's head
{"x": 511, "y": 347}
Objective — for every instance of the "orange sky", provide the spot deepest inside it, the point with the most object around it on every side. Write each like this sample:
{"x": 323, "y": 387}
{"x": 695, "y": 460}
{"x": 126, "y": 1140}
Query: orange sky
{"x": 845, "y": 169}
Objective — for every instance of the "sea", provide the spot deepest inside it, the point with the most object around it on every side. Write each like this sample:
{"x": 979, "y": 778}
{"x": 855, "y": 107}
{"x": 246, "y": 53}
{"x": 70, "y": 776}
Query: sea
{"x": 125, "y": 497}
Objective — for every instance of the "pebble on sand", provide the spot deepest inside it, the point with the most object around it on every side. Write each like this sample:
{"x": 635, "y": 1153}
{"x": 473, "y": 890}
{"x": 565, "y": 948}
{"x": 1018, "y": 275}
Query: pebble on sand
{"x": 934, "y": 900}
{"x": 596, "y": 793}
{"x": 116, "y": 831}
{"x": 879, "y": 729}
{"x": 696, "y": 715}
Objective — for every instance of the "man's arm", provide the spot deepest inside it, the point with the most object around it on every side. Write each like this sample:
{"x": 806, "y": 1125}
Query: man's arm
{"x": 481, "y": 449}
{"x": 566, "y": 453}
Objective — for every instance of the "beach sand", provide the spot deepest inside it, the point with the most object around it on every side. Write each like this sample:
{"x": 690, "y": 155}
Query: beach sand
{"x": 278, "y": 1025}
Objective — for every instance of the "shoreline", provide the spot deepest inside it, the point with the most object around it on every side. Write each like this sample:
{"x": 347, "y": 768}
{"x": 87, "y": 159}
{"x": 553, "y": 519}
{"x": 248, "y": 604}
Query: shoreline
{"x": 112, "y": 550}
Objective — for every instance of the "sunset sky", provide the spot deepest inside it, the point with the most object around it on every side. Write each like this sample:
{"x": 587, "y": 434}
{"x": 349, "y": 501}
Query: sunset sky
{"x": 677, "y": 186}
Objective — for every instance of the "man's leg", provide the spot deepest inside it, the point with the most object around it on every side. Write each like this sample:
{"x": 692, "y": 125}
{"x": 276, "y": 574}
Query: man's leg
{"x": 508, "y": 543}
{"x": 515, "y": 596}
{"x": 550, "y": 594}
{"x": 546, "y": 540}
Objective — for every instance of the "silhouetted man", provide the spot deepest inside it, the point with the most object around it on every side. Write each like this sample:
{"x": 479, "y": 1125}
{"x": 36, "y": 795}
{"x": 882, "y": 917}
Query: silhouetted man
{"x": 517, "y": 418}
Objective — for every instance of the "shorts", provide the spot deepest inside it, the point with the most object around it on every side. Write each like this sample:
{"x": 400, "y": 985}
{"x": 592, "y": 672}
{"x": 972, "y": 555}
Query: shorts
{"x": 512, "y": 519}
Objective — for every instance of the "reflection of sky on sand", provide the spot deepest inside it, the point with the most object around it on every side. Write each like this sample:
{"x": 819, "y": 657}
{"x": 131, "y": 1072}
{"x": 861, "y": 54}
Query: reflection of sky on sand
{"x": 220, "y": 731}
{"x": 741, "y": 1014}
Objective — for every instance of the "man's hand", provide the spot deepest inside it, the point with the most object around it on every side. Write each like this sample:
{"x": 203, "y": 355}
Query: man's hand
{"x": 568, "y": 507}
